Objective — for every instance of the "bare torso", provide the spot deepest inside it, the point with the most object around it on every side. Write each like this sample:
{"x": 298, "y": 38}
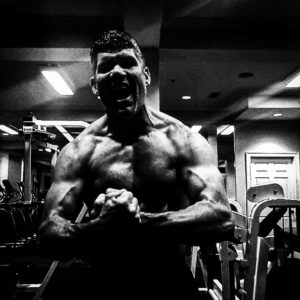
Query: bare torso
{"x": 146, "y": 166}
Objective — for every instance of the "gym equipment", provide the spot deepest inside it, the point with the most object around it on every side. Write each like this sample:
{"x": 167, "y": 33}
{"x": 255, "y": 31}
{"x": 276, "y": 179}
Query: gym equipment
{"x": 55, "y": 263}
{"x": 33, "y": 133}
{"x": 2, "y": 194}
{"x": 11, "y": 194}
{"x": 263, "y": 242}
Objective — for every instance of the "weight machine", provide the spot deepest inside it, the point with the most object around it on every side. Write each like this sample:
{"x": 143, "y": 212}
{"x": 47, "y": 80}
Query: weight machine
{"x": 34, "y": 137}
{"x": 265, "y": 240}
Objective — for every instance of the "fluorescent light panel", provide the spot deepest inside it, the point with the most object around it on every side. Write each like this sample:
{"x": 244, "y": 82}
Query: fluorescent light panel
{"x": 196, "y": 128}
{"x": 62, "y": 123}
{"x": 8, "y": 130}
{"x": 57, "y": 82}
{"x": 294, "y": 83}
{"x": 186, "y": 97}
{"x": 221, "y": 128}
{"x": 228, "y": 130}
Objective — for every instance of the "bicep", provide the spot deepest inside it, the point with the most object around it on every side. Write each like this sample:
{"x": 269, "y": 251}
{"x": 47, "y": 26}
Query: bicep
{"x": 64, "y": 198}
{"x": 200, "y": 176}
{"x": 203, "y": 183}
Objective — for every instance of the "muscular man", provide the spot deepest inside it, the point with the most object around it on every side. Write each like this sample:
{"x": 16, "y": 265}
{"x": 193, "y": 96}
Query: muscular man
{"x": 149, "y": 182}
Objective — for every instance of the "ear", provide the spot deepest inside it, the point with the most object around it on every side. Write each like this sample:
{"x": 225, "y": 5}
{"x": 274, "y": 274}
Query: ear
{"x": 147, "y": 76}
{"x": 93, "y": 86}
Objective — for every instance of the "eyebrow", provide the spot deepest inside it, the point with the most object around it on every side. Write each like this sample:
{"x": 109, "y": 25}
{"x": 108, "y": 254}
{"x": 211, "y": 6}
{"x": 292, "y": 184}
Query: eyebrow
{"x": 109, "y": 55}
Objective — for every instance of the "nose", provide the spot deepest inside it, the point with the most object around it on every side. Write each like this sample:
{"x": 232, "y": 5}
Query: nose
{"x": 117, "y": 73}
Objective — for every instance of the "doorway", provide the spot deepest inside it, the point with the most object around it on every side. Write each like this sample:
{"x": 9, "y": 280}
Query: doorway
{"x": 281, "y": 168}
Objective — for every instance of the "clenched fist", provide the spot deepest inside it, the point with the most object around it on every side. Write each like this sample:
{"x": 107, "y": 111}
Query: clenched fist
{"x": 116, "y": 206}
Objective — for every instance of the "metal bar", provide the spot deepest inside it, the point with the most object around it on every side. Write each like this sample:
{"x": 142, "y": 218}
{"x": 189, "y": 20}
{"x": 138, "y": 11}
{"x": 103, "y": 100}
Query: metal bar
{"x": 27, "y": 169}
{"x": 291, "y": 229}
{"x": 225, "y": 272}
{"x": 298, "y": 220}
{"x": 261, "y": 270}
{"x": 55, "y": 263}
{"x": 194, "y": 260}
{"x": 240, "y": 220}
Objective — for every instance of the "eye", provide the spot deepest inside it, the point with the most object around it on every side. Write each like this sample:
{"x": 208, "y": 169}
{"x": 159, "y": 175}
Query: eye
{"x": 128, "y": 62}
{"x": 104, "y": 67}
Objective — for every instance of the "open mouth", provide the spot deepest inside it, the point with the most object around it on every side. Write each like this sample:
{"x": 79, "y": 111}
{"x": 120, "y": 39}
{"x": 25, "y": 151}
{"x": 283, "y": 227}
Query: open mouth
{"x": 122, "y": 92}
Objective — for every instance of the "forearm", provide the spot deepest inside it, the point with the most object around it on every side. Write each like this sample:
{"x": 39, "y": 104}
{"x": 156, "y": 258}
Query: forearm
{"x": 60, "y": 237}
{"x": 200, "y": 223}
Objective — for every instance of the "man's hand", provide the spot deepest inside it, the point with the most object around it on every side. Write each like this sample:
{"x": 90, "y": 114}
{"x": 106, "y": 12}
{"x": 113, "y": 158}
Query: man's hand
{"x": 116, "y": 206}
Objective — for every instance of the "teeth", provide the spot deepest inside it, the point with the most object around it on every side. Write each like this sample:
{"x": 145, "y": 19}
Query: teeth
{"x": 122, "y": 92}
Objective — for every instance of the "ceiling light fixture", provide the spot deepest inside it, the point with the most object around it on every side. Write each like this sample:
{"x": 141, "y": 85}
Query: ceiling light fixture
{"x": 221, "y": 128}
{"x": 196, "y": 128}
{"x": 186, "y": 97}
{"x": 62, "y": 123}
{"x": 57, "y": 82}
{"x": 294, "y": 83}
{"x": 214, "y": 95}
{"x": 8, "y": 130}
{"x": 277, "y": 115}
{"x": 228, "y": 130}
{"x": 246, "y": 75}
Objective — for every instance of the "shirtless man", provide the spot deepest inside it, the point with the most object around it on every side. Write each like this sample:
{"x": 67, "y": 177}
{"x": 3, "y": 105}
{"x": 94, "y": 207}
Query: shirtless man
{"x": 149, "y": 182}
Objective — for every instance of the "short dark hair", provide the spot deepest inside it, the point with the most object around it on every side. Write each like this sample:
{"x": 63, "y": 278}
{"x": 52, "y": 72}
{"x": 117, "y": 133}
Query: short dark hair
{"x": 114, "y": 41}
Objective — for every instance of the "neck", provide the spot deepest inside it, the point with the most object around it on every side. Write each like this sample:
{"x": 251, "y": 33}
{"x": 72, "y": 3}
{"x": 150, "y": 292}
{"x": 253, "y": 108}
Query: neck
{"x": 139, "y": 124}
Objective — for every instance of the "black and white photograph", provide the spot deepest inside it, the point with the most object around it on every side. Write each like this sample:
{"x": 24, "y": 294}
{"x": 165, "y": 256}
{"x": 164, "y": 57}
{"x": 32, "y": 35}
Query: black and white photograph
{"x": 149, "y": 149}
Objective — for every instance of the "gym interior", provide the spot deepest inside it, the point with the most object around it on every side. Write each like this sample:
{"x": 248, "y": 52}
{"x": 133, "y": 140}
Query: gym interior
{"x": 227, "y": 69}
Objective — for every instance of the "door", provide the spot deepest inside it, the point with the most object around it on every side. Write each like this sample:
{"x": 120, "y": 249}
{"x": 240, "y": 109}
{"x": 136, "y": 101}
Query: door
{"x": 264, "y": 170}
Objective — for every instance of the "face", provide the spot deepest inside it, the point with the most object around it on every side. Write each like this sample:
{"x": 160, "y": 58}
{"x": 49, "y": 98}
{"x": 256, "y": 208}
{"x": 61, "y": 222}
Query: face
{"x": 120, "y": 80}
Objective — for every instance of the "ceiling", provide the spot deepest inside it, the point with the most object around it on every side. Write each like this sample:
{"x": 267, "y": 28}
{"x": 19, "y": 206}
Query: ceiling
{"x": 233, "y": 57}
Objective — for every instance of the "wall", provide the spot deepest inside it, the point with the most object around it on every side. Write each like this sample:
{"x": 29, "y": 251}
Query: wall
{"x": 14, "y": 169}
{"x": 263, "y": 137}
{"x": 230, "y": 180}
{"x": 3, "y": 165}
{"x": 152, "y": 62}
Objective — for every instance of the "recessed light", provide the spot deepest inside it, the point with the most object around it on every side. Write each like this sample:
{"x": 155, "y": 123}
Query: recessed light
{"x": 57, "y": 82}
{"x": 246, "y": 75}
{"x": 277, "y": 115}
{"x": 4, "y": 133}
{"x": 214, "y": 95}
{"x": 48, "y": 150}
{"x": 186, "y": 97}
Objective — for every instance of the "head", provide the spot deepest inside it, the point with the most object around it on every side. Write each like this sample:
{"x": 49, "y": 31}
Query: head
{"x": 120, "y": 76}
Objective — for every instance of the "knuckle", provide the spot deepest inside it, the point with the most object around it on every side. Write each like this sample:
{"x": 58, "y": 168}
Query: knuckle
{"x": 128, "y": 194}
